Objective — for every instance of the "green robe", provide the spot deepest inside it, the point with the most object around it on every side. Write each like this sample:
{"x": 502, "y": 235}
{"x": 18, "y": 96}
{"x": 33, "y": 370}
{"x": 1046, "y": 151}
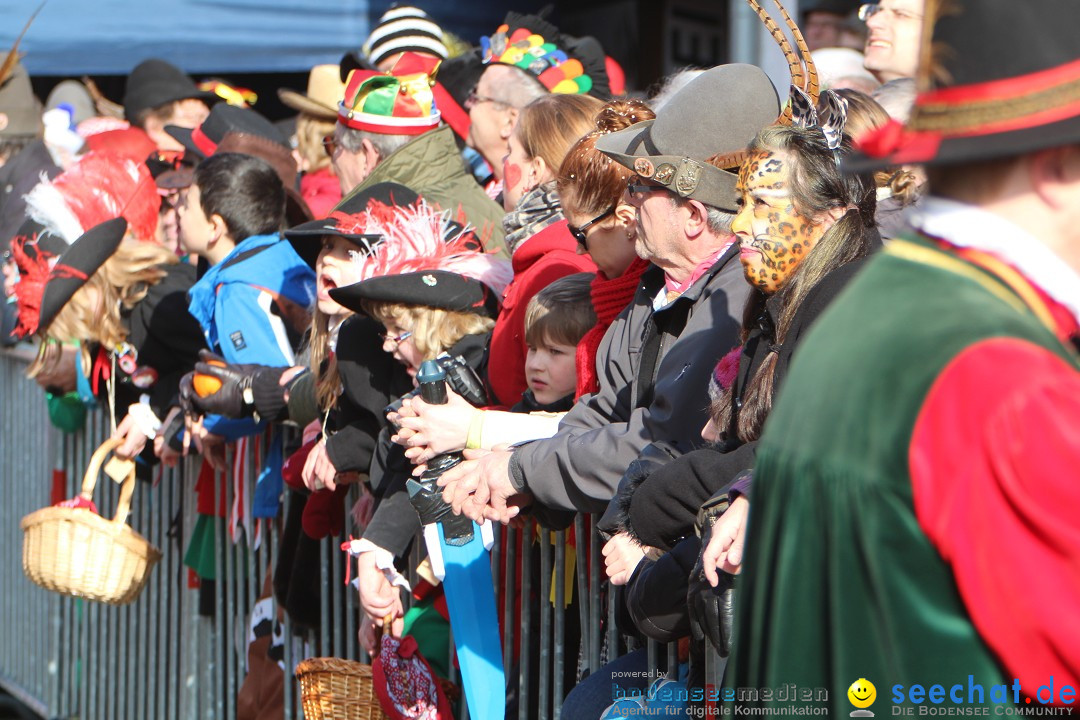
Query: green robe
{"x": 840, "y": 581}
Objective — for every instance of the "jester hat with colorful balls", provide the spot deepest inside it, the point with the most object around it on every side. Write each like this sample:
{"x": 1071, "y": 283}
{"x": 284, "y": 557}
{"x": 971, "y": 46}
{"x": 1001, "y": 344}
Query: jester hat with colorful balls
{"x": 561, "y": 63}
{"x": 398, "y": 102}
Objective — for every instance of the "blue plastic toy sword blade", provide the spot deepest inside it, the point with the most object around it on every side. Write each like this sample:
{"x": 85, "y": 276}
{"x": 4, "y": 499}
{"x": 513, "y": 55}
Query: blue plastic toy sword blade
{"x": 470, "y": 598}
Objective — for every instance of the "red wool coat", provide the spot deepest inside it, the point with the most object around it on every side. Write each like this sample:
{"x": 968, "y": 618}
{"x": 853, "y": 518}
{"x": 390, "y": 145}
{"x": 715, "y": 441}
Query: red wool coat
{"x": 545, "y": 257}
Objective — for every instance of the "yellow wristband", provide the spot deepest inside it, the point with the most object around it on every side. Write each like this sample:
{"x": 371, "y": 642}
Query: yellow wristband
{"x": 476, "y": 429}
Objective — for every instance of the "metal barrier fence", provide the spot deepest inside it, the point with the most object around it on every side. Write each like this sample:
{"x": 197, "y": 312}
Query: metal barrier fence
{"x": 159, "y": 658}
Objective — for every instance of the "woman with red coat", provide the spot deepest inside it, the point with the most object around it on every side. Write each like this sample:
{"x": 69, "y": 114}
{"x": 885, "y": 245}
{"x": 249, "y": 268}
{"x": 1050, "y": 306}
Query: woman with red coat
{"x": 541, "y": 246}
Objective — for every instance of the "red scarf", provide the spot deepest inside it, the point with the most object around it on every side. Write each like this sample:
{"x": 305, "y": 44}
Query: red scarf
{"x": 609, "y": 298}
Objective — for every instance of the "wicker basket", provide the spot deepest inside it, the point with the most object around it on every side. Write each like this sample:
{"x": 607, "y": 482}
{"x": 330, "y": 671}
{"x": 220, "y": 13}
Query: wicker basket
{"x": 337, "y": 689}
{"x": 77, "y": 552}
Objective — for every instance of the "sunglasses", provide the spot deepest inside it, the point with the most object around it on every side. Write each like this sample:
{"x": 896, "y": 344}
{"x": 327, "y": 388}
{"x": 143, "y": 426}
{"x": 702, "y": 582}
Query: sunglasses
{"x": 329, "y": 145}
{"x": 636, "y": 188}
{"x": 579, "y": 232}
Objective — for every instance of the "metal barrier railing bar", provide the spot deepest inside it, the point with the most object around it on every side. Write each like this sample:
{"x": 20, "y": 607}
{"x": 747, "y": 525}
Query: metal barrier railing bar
{"x": 159, "y": 658}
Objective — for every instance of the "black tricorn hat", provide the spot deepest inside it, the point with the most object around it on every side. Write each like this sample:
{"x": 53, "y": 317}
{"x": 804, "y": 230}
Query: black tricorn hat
{"x": 76, "y": 264}
{"x": 42, "y": 237}
{"x": 155, "y": 82}
{"x": 305, "y": 238}
{"x": 994, "y": 83}
{"x": 430, "y": 288}
{"x": 222, "y": 120}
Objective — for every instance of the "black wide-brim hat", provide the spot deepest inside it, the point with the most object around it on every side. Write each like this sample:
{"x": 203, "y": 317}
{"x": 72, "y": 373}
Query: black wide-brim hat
{"x": 154, "y": 83}
{"x": 77, "y": 264}
{"x": 717, "y": 113}
{"x": 42, "y": 237}
{"x": 223, "y": 119}
{"x": 1013, "y": 86}
{"x": 306, "y": 238}
{"x": 430, "y": 288}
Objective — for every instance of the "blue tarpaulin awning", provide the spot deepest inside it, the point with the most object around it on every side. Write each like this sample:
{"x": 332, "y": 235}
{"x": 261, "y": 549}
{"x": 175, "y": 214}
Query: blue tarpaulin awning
{"x": 109, "y": 37}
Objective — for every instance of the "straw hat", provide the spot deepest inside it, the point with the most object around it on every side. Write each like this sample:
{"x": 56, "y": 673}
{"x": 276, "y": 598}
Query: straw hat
{"x": 324, "y": 91}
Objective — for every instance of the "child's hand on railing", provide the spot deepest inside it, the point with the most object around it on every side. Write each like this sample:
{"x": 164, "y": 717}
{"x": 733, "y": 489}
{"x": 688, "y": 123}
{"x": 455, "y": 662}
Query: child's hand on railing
{"x": 622, "y": 555}
{"x": 725, "y": 548}
{"x": 132, "y": 437}
{"x": 319, "y": 471}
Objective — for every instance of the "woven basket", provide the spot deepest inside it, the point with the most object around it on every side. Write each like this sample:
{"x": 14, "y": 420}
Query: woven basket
{"x": 77, "y": 552}
{"x": 337, "y": 689}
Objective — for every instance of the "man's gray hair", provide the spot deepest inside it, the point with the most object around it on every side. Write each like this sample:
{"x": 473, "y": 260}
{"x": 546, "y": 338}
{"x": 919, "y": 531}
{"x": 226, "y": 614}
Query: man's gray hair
{"x": 517, "y": 88}
{"x": 352, "y": 140}
{"x": 718, "y": 221}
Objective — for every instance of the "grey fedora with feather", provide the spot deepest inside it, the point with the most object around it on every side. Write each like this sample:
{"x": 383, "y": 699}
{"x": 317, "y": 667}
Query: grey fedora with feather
{"x": 716, "y": 114}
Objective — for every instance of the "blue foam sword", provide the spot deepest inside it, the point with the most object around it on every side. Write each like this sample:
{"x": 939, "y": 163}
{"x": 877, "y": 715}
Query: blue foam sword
{"x": 459, "y": 553}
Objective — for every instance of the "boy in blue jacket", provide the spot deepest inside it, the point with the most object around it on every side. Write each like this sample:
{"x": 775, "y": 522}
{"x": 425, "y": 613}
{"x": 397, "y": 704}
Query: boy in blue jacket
{"x": 254, "y": 302}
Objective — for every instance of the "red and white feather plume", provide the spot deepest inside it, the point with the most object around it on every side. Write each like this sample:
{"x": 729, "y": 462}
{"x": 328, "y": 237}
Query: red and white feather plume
{"x": 99, "y": 187}
{"x": 418, "y": 238}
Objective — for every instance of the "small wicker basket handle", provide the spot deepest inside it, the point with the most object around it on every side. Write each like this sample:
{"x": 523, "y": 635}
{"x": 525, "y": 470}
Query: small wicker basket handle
{"x": 123, "y": 507}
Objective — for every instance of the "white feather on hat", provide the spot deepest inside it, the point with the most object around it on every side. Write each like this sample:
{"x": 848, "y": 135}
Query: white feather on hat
{"x": 416, "y": 238}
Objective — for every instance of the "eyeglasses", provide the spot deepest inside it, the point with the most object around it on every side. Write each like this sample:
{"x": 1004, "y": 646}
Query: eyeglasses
{"x": 474, "y": 99}
{"x": 396, "y": 339}
{"x": 579, "y": 232}
{"x": 636, "y": 188}
{"x": 329, "y": 145}
{"x": 871, "y": 9}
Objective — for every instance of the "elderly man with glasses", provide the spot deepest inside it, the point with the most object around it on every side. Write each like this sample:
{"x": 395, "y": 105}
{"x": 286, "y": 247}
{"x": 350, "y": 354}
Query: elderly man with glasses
{"x": 655, "y": 360}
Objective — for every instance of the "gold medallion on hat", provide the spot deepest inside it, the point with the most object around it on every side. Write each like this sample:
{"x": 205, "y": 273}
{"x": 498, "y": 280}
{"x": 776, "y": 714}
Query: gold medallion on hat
{"x": 688, "y": 178}
{"x": 664, "y": 173}
{"x": 644, "y": 167}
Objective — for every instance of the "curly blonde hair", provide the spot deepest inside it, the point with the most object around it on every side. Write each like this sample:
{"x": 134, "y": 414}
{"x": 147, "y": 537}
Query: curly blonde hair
{"x": 94, "y": 312}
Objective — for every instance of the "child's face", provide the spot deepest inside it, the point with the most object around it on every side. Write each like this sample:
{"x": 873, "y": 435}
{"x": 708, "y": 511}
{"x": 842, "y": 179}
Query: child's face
{"x": 551, "y": 371}
{"x": 195, "y": 228}
{"x": 334, "y": 269}
{"x": 398, "y": 341}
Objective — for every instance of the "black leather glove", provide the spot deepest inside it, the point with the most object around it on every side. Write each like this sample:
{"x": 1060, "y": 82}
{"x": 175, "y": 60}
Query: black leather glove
{"x": 712, "y": 609}
{"x": 233, "y": 400}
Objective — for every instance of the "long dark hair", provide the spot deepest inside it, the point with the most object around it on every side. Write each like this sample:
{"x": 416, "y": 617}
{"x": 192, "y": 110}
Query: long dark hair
{"x": 817, "y": 185}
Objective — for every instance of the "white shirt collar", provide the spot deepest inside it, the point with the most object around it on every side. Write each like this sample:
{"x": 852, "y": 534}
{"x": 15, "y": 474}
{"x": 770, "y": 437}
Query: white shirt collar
{"x": 967, "y": 226}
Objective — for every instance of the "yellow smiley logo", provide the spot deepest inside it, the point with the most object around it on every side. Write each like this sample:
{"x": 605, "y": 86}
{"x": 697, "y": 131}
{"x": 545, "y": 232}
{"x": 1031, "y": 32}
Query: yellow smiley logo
{"x": 862, "y": 694}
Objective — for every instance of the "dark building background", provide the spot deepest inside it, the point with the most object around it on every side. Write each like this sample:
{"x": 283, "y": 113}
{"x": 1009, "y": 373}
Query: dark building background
{"x": 648, "y": 38}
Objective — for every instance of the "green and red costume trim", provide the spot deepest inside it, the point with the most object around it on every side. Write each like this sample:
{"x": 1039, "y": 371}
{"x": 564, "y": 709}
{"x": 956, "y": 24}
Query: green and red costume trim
{"x": 914, "y": 517}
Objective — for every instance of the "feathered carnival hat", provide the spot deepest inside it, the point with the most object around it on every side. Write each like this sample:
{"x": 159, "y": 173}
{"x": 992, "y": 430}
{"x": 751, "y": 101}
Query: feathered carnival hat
{"x": 809, "y": 107}
{"x": 99, "y": 187}
{"x": 399, "y": 102}
{"x": 306, "y": 238}
{"x": 561, "y": 63}
{"x": 47, "y": 282}
{"x": 416, "y": 255}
